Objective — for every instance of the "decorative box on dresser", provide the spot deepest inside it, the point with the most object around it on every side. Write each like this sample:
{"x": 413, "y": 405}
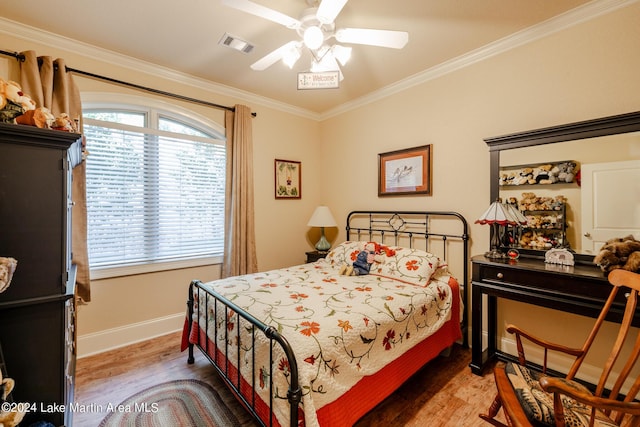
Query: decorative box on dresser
{"x": 37, "y": 312}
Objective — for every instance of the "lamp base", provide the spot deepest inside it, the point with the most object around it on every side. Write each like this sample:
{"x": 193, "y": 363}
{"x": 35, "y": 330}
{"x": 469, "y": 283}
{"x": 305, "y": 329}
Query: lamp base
{"x": 495, "y": 254}
{"x": 323, "y": 244}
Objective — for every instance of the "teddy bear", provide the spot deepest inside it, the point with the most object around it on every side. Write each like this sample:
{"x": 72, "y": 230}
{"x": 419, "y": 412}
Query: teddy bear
{"x": 372, "y": 253}
{"x": 39, "y": 117}
{"x": 13, "y": 102}
{"x": 9, "y": 418}
{"x": 526, "y": 177}
{"x": 526, "y": 238}
{"x": 508, "y": 179}
{"x": 7, "y": 267}
{"x": 542, "y": 174}
{"x": 566, "y": 171}
{"x": 620, "y": 252}
{"x": 558, "y": 203}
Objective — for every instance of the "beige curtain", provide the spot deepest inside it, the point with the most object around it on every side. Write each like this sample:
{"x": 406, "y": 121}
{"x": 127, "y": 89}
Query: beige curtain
{"x": 239, "y": 239}
{"x": 47, "y": 82}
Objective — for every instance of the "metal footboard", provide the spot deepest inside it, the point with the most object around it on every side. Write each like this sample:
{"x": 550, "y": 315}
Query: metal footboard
{"x": 218, "y": 304}
{"x": 438, "y": 232}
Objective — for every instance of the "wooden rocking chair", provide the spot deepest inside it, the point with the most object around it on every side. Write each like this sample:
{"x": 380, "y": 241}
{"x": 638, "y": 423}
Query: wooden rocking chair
{"x": 533, "y": 398}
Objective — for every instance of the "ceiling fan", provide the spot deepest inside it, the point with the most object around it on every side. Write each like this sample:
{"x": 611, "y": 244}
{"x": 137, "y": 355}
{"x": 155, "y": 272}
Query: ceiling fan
{"x": 316, "y": 28}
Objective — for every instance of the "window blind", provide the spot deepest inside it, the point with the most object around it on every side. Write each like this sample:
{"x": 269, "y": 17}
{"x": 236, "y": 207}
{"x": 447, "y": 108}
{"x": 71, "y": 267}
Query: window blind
{"x": 152, "y": 196}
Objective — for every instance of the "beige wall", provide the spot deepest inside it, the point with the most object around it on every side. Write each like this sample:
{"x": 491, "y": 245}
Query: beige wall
{"x": 128, "y": 309}
{"x": 584, "y": 72}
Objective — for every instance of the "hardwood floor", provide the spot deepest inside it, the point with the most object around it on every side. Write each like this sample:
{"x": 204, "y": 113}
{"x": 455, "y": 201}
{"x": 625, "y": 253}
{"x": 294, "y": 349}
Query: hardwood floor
{"x": 443, "y": 393}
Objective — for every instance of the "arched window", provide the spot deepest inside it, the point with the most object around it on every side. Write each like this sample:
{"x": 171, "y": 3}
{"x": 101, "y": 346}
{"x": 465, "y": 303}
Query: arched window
{"x": 155, "y": 189}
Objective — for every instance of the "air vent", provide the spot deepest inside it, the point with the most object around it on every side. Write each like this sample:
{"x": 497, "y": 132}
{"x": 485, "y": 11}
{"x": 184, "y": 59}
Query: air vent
{"x": 235, "y": 43}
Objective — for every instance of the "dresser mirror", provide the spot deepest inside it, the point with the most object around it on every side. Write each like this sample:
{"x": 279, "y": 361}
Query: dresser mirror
{"x": 610, "y": 141}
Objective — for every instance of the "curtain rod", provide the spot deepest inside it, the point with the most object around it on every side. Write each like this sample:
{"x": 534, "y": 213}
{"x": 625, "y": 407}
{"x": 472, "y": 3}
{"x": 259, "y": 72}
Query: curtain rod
{"x": 21, "y": 58}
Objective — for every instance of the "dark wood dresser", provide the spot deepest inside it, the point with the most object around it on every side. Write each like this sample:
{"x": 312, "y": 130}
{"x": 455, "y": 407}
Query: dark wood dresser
{"x": 579, "y": 289}
{"x": 37, "y": 313}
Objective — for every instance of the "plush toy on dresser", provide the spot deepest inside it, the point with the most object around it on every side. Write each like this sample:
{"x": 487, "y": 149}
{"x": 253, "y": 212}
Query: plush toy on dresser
{"x": 13, "y": 102}
{"x": 620, "y": 252}
{"x": 18, "y": 107}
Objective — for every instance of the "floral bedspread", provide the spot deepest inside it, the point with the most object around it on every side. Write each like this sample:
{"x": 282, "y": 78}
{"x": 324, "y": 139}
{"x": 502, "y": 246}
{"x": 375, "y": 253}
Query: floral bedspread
{"x": 341, "y": 328}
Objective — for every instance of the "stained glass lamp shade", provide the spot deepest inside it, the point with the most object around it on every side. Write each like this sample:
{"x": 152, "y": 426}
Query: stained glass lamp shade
{"x": 496, "y": 215}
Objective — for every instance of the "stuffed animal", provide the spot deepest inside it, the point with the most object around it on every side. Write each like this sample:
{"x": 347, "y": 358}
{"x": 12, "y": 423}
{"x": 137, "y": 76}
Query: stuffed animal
{"x": 13, "y": 102}
{"x": 617, "y": 253}
{"x": 40, "y": 117}
{"x": 566, "y": 171}
{"x": 542, "y": 174}
{"x": 11, "y": 105}
{"x": 7, "y": 267}
{"x": 371, "y": 253}
{"x": 63, "y": 122}
{"x": 9, "y": 418}
{"x": 526, "y": 177}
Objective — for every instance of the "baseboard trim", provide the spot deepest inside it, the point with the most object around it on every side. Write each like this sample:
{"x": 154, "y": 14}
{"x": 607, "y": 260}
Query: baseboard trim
{"x": 110, "y": 339}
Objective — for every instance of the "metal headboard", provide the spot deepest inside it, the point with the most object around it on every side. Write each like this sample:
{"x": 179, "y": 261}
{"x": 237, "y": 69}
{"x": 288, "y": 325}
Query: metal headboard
{"x": 434, "y": 231}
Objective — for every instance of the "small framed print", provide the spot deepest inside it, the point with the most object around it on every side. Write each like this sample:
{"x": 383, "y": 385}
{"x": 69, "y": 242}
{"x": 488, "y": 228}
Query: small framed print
{"x": 288, "y": 179}
{"x": 405, "y": 172}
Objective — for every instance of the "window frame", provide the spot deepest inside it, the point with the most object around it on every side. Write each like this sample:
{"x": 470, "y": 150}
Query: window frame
{"x": 154, "y": 109}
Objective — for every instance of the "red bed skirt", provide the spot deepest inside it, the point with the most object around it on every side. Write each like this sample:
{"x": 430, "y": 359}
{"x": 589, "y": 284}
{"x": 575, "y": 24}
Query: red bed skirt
{"x": 370, "y": 390}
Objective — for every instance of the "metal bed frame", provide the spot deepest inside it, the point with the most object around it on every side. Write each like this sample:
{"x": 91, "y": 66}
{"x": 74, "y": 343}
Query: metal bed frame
{"x": 397, "y": 228}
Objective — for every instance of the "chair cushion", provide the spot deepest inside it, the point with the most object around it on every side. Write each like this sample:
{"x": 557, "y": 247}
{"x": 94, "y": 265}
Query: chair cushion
{"x": 538, "y": 404}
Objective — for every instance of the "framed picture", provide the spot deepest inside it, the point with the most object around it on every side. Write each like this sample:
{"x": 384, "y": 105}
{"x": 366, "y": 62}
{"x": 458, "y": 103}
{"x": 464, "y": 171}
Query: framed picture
{"x": 405, "y": 172}
{"x": 288, "y": 179}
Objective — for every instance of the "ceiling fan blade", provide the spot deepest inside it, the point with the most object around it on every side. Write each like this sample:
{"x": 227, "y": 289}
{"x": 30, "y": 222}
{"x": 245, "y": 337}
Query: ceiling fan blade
{"x": 329, "y": 10}
{"x": 273, "y": 57}
{"x": 382, "y": 38}
{"x": 263, "y": 12}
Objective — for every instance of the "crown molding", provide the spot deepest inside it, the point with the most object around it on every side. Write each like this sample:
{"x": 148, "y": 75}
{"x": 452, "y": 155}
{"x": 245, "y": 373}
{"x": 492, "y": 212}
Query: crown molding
{"x": 32, "y": 34}
{"x": 561, "y": 22}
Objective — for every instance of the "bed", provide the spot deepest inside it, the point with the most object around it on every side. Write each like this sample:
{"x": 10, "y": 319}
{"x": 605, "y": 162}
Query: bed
{"x": 306, "y": 345}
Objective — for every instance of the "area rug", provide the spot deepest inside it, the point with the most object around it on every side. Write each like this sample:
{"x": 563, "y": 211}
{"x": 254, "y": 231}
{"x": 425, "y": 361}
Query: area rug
{"x": 174, "y": 403}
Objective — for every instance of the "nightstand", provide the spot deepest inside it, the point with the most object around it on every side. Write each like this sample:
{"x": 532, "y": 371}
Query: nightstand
{"x": 313, "y": 256}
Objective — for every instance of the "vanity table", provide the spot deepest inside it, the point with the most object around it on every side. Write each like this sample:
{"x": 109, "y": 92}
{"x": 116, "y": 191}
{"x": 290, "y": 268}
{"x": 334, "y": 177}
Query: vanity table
{"x": 580, "y": 289}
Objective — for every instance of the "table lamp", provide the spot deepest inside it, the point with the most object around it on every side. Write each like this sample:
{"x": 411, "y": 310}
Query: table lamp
{"x": 496, "y": 215}
{"x": 322, "y": 218}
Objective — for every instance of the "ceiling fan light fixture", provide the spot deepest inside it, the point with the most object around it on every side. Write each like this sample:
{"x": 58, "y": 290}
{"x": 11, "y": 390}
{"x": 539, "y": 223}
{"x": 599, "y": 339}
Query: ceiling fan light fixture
{"x": 326, "y": 63}
{"x": 313, "y": 37}
{"x": 341, "y": 53}
{"x": 291, "y": 56}
{"x": 315, "y": 26}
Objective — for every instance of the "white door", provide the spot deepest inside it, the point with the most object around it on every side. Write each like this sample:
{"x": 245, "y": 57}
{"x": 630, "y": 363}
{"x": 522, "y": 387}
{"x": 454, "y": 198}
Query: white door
{"x": 610, "y": 202}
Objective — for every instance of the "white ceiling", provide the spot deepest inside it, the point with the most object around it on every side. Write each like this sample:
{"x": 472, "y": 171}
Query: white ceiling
{"x": 183, "y": 36}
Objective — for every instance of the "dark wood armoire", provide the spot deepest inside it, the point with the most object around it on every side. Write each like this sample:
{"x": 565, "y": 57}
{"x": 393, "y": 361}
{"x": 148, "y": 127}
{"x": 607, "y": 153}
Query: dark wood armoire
{"x": 37, "y": 311}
